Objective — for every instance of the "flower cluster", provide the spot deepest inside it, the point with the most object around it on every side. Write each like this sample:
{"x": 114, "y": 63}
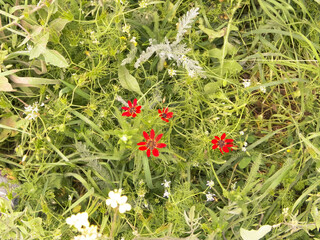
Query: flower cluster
{"x": 32, "y": 111}
{"x": 115, "y": 200}
{"x": 211, "y": 197}
{"x": 166, "y": 185}
{"x": 81, "y": 223}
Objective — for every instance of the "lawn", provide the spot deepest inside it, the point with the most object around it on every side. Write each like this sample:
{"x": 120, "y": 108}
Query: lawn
{"x": 169, "y": 119}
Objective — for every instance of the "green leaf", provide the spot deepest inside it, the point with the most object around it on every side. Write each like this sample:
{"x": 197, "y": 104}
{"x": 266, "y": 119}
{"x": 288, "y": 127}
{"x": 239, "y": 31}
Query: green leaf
{"x": 211, "y": 33}
{"x": 255, "y": 234}
{"x": 232, "y": 67}
{"x": 244, "y": 162}
{"x": 40, "y": 46}
{"x": 128, "y": 81}
{"x": 59, "y": 24}
{"x": 216, "y": 53}
{"x": 211, "y": 88}
{"x": 55, "y": 58}
{"x": 147, "y": 173}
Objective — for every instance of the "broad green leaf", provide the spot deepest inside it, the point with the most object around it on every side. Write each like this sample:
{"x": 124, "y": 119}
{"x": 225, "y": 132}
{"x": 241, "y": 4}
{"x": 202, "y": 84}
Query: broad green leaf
{"x": 255, "y": 234}
{"x": 59, "y": 24}
{"x": 40, "y": 46}
{"x": 244, "y": 162}
{"x": 216, "y": 53}
{"x": 128, "y": 81}
{"x": 55, "y": 58}
{"x": 211, "y": 88}
{"x": 211, "y": 33}
{"x": 232, "y": 67}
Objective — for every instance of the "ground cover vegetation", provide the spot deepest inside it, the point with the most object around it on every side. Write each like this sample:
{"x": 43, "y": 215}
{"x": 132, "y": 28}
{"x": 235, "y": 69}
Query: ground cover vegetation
{"x": 179, "y": 119}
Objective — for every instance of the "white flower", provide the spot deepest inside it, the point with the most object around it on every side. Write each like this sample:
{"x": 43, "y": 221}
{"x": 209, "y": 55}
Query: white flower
{"x": 192, "y": 73}
{"x": 126, "y": 29}
{"x": 124, "y": 138}
{"x": 210, "y": 184}
{"x": 166, "y": 184}
{"x": 166, "y": 194}
{"x": 246, "y": 82}
{"x": 244, "y": 149}
{"x": 89, "y": 233}
{"x": 241, "y": 132}
{"x": 263, "y": 89}
{"x": 245, "y": 144}
{"x": 285, "y": 211}
{"x": 210, "y": 197}
{"x": 32, "y": 111}
{"x": 116, "y": 200}
{"x": 171, "y": 72}
{"x": 79, "y": 220}
{"x": 143, "y": 3}
{"x": 133, "y": 40}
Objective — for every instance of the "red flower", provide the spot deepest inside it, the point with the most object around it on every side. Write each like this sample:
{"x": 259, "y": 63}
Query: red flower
{"x": 132, "y": 110}
{"x": 165, "y": 115}
{"x": 151, "y": 144}
{"x": 222, "y": 143}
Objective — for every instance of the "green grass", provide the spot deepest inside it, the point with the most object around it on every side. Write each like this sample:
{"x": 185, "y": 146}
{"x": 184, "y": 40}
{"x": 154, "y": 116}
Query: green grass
{"x": 68, "y": 55}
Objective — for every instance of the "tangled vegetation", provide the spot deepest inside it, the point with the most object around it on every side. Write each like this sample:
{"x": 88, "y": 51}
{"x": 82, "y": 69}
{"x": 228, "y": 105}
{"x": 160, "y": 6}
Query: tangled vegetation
{"x": 169, "y": 119}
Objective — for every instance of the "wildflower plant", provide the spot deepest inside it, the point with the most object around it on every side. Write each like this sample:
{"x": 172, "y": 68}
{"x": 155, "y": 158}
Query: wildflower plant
{"x": 173, "y": 51}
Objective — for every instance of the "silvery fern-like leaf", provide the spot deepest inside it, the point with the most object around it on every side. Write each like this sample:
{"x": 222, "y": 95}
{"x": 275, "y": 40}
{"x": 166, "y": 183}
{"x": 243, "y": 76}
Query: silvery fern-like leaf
{"x": 173, "y": 51}
{"x": 185, "y": 23}
{"x": 130, "y": 56}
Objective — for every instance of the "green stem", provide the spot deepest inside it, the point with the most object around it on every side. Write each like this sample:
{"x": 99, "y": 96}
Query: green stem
{"x": 113, "y": 223}
{"x": 216, "y": 176}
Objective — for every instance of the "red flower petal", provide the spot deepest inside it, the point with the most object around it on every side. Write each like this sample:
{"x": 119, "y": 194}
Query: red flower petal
{"x": 152, "y": 134}
{"x": 228, "y": 140}
{"x": 170, "y": 115}
{"x": 138, "y": 111}
{"x": 126, "y": 114}
{"x": 161, "y": 145}
{"x": 221, "y": 150}
{"x": 155, "y": 152}
{"x": 216, "y": 137}
{"x": 225, "y": 149}
{"x": 129, "y": 103}
{"x": 125, "y": 108}
{"x": 141, "y": 143}
{"x": 159, "y": 111}
{"x": 159, "y": 137}
{"x": 148, "y": 152}
{"x": 229, "y": 145}
{"x": 134, "y": 115}
{"x": 223, "y": 136}
{"x": 138, "y": 108}
{"x": 214, "y": 146}
{"x": 135, "y": 102}
{"x": 166, "y": 120}
{"x": 166, "y": 110}
{"x": 143, "y": 148}
{"x": 146, "y": 136}
{"x": 214, "y": 141}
